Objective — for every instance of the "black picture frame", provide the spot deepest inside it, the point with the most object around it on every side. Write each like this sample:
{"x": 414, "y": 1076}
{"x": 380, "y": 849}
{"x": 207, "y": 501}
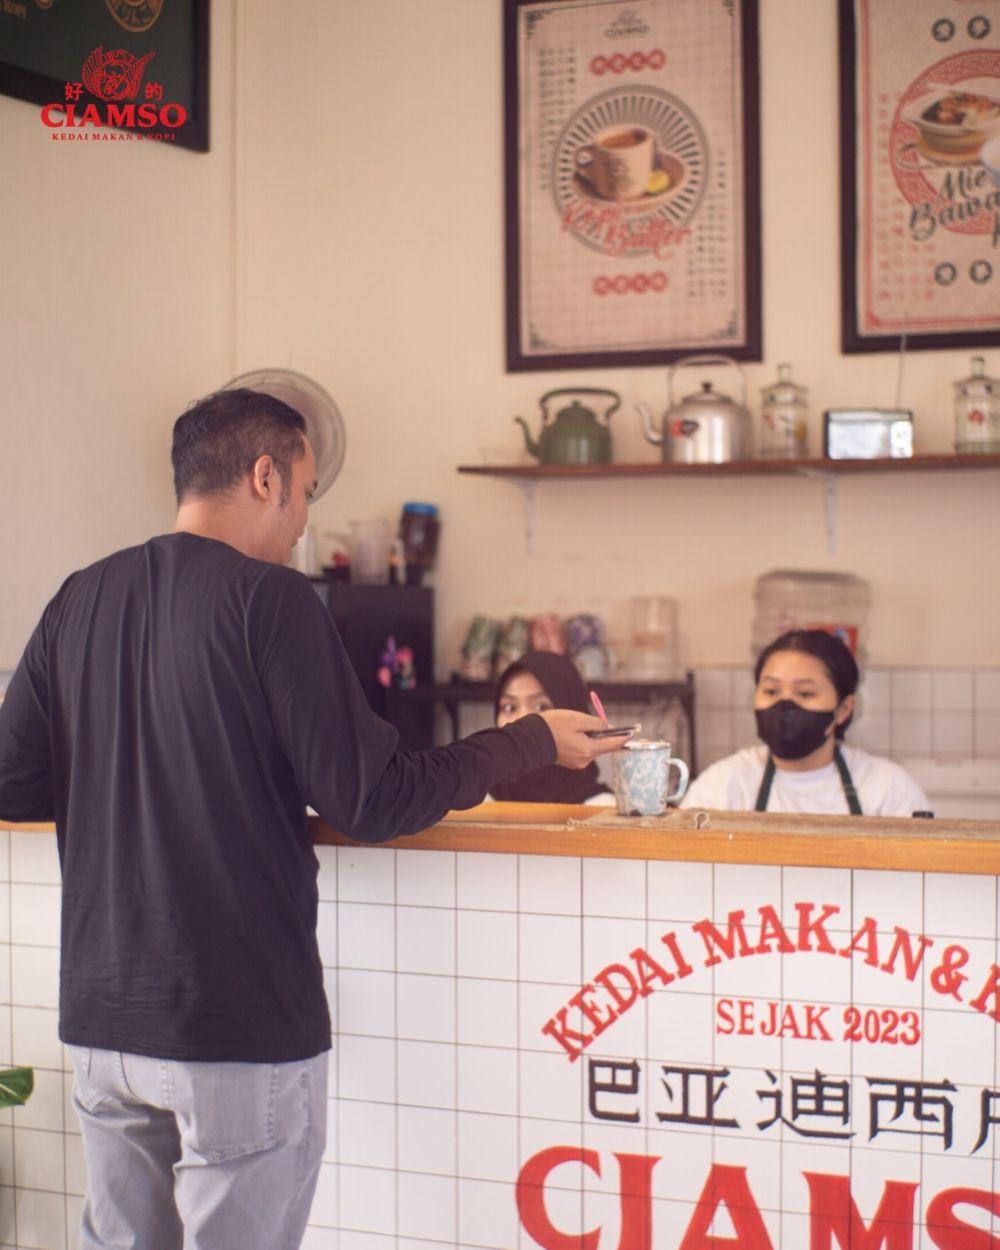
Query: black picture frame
{"x": 751, "y": 348}
{"x": 58, "y": 36}
{"x": 852, "y": 340}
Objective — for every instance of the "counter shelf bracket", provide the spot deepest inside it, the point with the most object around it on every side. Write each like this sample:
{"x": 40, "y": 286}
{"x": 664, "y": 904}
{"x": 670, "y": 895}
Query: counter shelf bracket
{"x": 830, "y": 481}
{"x": 530, "y": 488}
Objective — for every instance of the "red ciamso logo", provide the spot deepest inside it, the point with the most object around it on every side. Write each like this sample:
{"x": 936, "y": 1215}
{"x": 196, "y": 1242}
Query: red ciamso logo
{"x": 115, "y": 78}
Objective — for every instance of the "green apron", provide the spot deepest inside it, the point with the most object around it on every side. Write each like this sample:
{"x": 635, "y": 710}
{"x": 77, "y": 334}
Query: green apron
{"x": 764, "y": 793}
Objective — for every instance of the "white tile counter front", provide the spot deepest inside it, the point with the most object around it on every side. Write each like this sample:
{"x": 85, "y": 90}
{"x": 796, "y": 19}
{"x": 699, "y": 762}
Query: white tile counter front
{"x": 606, "y": 1050}
{"x": 42, "y": 1175}
{"x": 740, "y": 1088}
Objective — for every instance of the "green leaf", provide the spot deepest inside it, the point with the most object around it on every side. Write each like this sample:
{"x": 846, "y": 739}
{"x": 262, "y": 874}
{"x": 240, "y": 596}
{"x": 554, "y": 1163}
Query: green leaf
{"x": 16, "y": 1085}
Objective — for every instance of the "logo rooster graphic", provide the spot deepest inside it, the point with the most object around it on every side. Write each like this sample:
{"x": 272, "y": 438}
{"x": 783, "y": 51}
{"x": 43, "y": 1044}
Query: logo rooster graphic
{"x": 114, "y": 75}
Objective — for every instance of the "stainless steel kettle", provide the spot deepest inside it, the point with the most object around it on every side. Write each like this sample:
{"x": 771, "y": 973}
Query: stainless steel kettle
{"x": 706, "y": 427}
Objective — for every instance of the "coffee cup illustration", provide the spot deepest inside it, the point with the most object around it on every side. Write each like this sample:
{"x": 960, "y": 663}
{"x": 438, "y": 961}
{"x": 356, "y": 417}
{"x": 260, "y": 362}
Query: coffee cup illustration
{"x": 619, "y": 162}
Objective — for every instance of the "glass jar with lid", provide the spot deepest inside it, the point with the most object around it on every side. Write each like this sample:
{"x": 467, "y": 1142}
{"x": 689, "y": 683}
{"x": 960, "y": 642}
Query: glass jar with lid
{"x": 784, "y": 413}
{"x": 977, "y": 411}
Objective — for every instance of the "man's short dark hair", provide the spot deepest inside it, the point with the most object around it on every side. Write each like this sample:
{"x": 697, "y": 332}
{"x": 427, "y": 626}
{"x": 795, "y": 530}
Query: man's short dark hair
{"x": 218, "y": 440}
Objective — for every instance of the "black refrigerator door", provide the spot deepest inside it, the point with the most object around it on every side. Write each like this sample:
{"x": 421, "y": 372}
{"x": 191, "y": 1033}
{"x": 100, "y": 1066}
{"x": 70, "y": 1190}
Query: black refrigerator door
{"x": 365, "y": 616}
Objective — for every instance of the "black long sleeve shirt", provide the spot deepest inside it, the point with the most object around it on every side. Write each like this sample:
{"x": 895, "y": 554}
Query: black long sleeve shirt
{"x": 175, "y": 711}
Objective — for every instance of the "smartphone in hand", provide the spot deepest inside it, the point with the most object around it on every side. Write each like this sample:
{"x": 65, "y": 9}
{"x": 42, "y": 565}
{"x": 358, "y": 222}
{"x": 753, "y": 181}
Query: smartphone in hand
{"x": 613, "y": 731}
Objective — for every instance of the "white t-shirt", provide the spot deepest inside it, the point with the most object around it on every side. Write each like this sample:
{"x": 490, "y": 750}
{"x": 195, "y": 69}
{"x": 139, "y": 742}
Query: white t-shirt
{"x": 884, "y": 789}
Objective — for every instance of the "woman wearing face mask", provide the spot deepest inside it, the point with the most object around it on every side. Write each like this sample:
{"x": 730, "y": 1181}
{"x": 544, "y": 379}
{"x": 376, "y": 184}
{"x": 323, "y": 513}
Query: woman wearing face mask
{"x": 538, "y": 681}
{"x": 803, "y": 704}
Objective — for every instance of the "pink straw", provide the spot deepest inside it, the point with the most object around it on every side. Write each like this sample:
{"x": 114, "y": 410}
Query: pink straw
{"x": 598, "y": 707}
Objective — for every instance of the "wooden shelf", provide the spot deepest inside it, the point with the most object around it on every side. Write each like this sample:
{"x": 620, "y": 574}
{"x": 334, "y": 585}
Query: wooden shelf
{"x": 736, "y": 468}
{"x": 450, "y": 695}
{"x": 459, "y": 691}
{"x": 818, "y": 469}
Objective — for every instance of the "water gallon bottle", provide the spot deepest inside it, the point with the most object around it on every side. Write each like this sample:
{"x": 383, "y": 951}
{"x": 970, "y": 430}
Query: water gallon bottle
{"x": 808, "y": 599}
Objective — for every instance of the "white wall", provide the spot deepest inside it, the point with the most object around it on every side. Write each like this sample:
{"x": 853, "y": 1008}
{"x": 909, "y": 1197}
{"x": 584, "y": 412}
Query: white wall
{"x": 116, "y": 308}
{"x": 375, "y": 261}
{"x": 357, "y": 216}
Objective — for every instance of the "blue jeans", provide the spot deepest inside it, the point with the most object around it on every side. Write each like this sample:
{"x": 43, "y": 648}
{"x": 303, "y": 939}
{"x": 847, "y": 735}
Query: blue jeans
{"x": 198, "y": 1156}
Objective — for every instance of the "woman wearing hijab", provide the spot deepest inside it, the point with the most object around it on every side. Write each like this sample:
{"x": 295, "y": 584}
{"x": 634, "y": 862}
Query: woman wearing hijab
{"x": 803, "y": 704}
{"x": 538, "y": 681}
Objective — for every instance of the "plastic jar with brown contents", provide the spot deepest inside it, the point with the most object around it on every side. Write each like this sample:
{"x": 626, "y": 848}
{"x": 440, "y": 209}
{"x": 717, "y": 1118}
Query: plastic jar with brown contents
{"x": 419, "y": 528}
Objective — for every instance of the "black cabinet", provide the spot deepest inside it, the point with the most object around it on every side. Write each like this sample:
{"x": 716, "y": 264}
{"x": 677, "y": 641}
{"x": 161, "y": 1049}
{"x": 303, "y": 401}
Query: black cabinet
{"x": 365, "y": 616}
{"x": 451, "y": 695}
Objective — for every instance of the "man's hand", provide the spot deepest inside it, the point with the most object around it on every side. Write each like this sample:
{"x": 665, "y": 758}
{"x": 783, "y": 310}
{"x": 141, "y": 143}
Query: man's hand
{"x": 573, "y": 748}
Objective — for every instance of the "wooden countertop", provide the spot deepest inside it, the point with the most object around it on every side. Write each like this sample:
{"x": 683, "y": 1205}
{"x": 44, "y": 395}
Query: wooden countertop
{"x": 960, "y": 846}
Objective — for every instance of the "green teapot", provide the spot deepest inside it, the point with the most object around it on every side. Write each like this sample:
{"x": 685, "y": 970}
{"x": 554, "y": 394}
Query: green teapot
{"x": 576, "y": 436}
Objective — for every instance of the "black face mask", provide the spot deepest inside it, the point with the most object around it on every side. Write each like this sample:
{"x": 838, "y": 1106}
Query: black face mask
{"x": 790, "y": 730}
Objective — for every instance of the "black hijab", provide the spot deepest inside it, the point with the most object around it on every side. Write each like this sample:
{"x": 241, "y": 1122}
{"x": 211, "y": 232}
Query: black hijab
{"x": 561, "y": 681}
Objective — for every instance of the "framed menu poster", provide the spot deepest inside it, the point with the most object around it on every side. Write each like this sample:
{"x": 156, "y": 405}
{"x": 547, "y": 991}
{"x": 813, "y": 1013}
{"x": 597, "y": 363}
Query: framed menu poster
{"x": 633, "y": 181}
{"x": 920, "y": 173}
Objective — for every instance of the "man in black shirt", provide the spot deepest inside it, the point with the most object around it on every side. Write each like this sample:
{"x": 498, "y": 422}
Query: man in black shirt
{"x": 176, "y": 709}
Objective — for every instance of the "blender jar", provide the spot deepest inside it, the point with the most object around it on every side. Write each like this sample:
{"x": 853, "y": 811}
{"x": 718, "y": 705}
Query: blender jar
{"x": 653, "y": 654}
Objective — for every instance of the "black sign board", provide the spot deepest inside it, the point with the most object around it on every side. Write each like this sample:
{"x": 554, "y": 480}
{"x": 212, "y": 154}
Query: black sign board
{"x": 135, "y": 69}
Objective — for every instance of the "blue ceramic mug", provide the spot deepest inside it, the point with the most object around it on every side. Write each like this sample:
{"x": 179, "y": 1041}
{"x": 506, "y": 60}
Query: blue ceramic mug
{"x": 642, "y": 777}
